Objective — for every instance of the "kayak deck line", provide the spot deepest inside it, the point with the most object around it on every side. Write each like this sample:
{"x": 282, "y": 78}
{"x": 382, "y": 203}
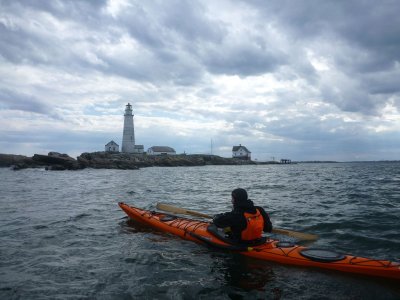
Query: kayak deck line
{"x": 270, "y": 250}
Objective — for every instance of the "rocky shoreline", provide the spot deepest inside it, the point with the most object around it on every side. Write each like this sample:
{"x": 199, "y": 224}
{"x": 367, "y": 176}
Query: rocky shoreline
{"x": 104, "y": 160}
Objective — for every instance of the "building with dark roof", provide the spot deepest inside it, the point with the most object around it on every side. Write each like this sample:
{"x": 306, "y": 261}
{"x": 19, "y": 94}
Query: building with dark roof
{"x": 241, "y": 152}
{"x": 111, "y": 147}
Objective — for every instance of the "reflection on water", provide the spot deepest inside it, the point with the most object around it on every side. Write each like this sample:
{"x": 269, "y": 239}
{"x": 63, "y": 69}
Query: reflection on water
{"x": 246, "y": 273}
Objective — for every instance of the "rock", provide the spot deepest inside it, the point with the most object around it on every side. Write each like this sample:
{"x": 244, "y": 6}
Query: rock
{"x": 19, "y": 166}
{"x": 106, "y": 160}
{"x": 57, "y": 161}
{"x": 16, "y": 162}
{"x": 101, "y": 160}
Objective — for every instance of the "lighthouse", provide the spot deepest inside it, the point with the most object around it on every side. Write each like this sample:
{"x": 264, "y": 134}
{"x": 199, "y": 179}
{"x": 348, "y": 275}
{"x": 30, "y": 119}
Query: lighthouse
{"x": 128, "y": 136}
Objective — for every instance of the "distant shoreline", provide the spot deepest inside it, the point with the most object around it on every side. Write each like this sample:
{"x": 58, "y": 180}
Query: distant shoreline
{"x": 106, "y": 160}
{"x": 125, "y": 161}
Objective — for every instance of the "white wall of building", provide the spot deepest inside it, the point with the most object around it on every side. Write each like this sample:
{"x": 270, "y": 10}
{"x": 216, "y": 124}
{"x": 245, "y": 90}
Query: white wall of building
{"x": 111, "y": 147}
{"x": 128, "y": 136}
{"x": 161, "y": 150}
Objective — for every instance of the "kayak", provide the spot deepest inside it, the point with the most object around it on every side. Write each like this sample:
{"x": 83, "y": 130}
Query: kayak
{"x": 265, "y": 248}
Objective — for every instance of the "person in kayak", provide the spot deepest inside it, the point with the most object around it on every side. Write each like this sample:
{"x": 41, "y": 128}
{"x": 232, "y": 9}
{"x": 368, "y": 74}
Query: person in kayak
{"x": 246, "y": 221}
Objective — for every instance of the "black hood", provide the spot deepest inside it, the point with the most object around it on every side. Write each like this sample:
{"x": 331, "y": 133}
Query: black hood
{"x": 240, "y": 199}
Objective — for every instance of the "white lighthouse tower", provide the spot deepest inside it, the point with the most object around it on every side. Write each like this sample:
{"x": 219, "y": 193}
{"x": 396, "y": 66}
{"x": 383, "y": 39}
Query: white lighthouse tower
{"x": 128, "y": 137}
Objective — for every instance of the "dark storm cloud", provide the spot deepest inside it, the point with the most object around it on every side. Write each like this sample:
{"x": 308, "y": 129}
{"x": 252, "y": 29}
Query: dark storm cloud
{"x": 364, "y": 39}
{"x": 28, "y": 32}
{"x": 244, "y": 60}
{"x": 164, "y": 24}
{"x": 375, "y": 29}
{"x": 178, "y": 41}
{"x": 172, "y": 34}
{"x": 169, "y": 30}
{"x": 175, "y": 29}
{"x": 18, "y": 46}
{"x": 373, "y": 26}
{"x": 19, "y": 101}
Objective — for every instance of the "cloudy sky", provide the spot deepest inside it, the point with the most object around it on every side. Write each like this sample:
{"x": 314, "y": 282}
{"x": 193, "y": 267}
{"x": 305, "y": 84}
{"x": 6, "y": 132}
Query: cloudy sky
{"x": 306, "y": 80}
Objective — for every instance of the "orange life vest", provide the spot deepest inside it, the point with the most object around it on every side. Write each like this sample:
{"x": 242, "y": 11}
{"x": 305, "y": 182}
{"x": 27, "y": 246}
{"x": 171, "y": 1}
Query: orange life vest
{"x": 255, "y": 226}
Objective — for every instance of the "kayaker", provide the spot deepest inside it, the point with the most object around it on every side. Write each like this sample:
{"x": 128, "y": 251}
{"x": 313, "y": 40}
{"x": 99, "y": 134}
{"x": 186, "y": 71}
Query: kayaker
{"x": 246, "y": 221}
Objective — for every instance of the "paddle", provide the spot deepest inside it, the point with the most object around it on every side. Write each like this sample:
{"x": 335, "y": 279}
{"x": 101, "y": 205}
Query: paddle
{"x": 298, "y": 235}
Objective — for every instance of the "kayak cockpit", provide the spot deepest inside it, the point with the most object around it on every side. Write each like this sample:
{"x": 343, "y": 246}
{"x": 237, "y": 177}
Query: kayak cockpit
{"x": 220, "y": 234}
{"x": 228, "y": 243}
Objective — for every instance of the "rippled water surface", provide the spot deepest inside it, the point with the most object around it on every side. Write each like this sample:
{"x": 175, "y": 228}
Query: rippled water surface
{"x": 63, "y": 236}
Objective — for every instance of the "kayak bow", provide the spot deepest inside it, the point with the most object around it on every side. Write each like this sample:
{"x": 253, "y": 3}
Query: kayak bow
{"x": 270, "y": 250}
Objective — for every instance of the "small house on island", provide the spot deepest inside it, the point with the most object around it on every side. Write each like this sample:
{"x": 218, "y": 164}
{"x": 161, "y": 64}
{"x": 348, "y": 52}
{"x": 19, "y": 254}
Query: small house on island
{"x": 111, "y": 147}
{"x": 161, "y": 150}
{"x": 241, "y": 152}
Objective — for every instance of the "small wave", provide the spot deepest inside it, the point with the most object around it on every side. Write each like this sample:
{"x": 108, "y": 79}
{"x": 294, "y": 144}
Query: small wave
{"x": 80, "y": 216}
{"x": 38, "y": 227}
{"x": 149, "y": 258}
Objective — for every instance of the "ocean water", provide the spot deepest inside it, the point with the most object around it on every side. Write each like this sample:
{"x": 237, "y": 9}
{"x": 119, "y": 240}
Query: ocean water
{"x": 63, "y": 236}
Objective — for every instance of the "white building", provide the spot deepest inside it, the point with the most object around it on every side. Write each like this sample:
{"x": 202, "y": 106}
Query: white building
{"x": 111, "y": 147}
{"x": 241, "y": 152}
{"x": 128, "y": 135}
{"x": 161, "y": 150}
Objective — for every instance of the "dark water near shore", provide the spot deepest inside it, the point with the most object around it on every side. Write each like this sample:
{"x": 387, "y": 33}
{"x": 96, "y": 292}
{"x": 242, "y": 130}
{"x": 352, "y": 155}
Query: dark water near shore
{"x": 63, "y": 236}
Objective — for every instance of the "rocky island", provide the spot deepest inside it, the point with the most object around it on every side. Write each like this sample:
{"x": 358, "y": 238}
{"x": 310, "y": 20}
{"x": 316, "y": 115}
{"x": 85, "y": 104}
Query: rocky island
{"x": 107, "y": 160}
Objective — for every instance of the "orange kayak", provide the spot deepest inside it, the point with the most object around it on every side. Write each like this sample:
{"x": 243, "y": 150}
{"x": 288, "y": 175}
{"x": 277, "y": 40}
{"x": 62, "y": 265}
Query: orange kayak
{"x": 267, "y": 249}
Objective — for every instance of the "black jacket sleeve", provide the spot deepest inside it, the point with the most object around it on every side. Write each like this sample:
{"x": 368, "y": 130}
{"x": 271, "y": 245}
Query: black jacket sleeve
{"x": 224, "y": 220}
{"x": 235, "y": 220}
{"x": 267, "y": 221}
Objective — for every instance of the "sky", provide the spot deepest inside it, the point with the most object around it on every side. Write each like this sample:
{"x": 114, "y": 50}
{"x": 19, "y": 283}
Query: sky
{"x": 302, "y": 80}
